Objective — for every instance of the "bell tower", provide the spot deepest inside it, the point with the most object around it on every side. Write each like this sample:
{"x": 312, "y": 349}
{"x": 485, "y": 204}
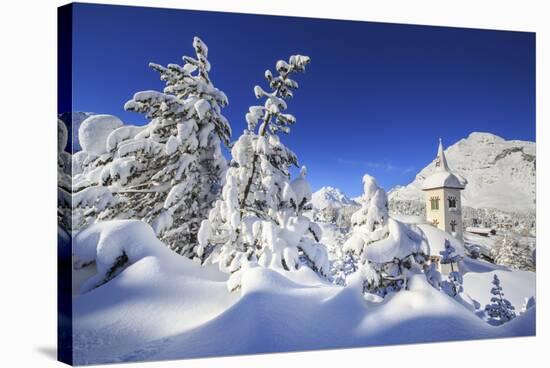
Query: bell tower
{"x": 443, "y": 197}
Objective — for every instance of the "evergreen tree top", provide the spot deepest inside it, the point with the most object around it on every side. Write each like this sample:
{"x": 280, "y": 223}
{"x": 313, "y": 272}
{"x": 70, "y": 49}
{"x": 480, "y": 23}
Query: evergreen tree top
{"x": 282, "y": 86}
{"x": 449, "y": 255}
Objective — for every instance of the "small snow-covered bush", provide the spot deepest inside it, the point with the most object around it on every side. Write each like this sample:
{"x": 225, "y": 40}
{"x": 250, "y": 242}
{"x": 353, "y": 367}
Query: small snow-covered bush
{"x": 472, "y": 250}
{"x": 453, "y": 285}
{"x": 500, "y": 310}
{"x": 342, "y": 267}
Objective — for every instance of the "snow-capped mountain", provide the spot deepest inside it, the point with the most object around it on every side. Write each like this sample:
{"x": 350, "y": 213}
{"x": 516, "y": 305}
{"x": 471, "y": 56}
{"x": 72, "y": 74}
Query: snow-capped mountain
{"x": 329, "y": 196}
{"x": 500, "y": 173}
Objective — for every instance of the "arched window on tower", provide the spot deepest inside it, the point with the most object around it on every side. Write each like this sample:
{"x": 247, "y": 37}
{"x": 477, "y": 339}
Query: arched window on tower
{"x": 434, "y": 202}
{"x": 452, "y": 201}
{"x": 453, "y": 226}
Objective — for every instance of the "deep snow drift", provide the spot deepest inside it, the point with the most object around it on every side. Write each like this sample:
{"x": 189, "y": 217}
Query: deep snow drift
{"x": 161, "y": 306}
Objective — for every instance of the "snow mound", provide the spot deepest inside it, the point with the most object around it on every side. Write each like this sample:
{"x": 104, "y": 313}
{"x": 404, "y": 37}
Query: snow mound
{"x": 159, "y": 294}
{"x": 284, "y": 314}
{"x": 95, "y": 130}
{"x": 164, "y": 306}
{"x": 106, "y": 243}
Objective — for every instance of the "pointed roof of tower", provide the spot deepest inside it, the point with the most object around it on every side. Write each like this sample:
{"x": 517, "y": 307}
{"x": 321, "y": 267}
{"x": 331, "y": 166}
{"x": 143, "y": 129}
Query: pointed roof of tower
{"x": 441, "y": 160}
{"x": 442, "y": 176}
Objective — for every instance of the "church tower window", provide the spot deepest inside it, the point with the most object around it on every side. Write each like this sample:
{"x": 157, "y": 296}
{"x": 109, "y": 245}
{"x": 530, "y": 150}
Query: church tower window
{"x": 452, "y": 202}
{"x": 434, "y": 201}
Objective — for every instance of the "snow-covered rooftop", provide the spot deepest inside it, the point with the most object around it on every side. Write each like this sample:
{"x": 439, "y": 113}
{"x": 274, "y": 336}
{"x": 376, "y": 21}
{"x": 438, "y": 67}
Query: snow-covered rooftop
{"x": 443, "y": 177}
{"x": 479, "y": 230}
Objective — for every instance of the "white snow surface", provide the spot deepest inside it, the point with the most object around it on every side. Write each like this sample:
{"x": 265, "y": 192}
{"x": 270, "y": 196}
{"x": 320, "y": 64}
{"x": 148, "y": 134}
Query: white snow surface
{"x": 436, "y": 240}
{"x": 516, "y": 284}
{"x": 95, "y": 130}
{"x": 500, "y": 173}
{"x": 164, "y": 306}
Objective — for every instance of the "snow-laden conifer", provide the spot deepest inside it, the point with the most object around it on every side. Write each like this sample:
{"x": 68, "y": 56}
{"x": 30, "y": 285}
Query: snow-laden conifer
{"x": 500, "y": 310}
{"x": 453, "y": 285}
{"x": 259, "y": 218}
{"x": 168, "y": 172}
{"x": 384, "y": 248}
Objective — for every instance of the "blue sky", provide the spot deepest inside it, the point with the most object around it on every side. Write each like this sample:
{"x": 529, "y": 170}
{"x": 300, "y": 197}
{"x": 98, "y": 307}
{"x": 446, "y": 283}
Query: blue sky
{"x": 375, "y": 98}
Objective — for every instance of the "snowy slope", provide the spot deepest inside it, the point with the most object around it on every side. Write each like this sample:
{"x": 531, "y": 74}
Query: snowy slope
{"x": 329, "y": 196}
{"x": 164, "y": 306}
{"x": 500, "y": 173}
{"x": 517, "y": 285}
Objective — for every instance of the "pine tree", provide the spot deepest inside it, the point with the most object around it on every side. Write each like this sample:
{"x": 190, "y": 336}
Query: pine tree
{"x": 453, "y": 285}
{"x": 500, "y": 310}
{"x": 169, "y": 172}
{"x": 509, "y": 251}
{"x": 259, "y": 219}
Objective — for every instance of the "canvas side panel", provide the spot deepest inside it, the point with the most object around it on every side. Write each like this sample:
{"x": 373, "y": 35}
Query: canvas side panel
{"x": 64, "y": 210}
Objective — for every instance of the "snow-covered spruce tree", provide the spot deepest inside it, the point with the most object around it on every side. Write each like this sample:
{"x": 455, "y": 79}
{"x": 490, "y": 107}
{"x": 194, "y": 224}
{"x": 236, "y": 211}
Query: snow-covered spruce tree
{"x": 169, "y": 172}
{"x": 259, "y": 218}
{"x": 500, "y": 310}
{"x": 453, "y": 285}
{"x": 385, "y": 248}
{"x": 509, "y": 251}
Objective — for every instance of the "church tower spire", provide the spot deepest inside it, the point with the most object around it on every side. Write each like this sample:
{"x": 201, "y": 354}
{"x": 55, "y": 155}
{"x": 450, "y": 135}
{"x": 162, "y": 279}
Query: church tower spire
{"x": 441, "y": 160}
